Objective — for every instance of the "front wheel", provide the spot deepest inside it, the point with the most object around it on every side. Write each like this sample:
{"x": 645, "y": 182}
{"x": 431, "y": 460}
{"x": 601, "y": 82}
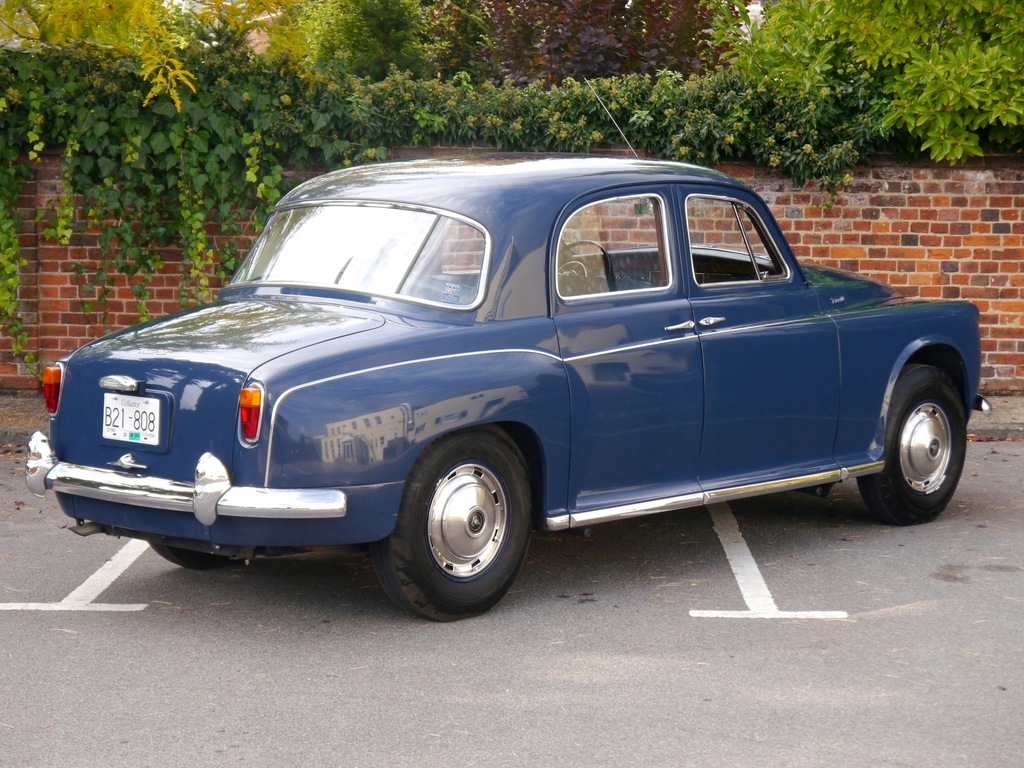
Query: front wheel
{"x": 926, "y": 441}
{"x": 462, "y": 530}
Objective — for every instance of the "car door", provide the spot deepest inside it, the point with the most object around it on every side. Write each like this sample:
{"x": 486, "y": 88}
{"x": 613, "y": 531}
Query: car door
{"x": 770, "y": 354}
{"x": 626, "y": 335}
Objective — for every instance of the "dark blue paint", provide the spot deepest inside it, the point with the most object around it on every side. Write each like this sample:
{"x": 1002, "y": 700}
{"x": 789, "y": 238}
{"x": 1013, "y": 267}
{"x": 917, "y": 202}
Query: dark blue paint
{"x": 622, "y": 409}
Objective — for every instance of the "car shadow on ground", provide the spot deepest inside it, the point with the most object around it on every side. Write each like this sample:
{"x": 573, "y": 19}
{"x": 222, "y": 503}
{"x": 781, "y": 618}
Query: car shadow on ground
{"x": 626, "y": 561}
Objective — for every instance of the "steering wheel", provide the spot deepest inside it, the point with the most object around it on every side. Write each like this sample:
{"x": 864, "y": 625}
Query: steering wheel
{"x": 605, "y": 258}
{"x": 573, "y": 268}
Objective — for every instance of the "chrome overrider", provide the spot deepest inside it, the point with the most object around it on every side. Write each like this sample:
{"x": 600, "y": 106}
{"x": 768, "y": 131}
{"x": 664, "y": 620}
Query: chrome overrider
{"x": 209, "y": 496}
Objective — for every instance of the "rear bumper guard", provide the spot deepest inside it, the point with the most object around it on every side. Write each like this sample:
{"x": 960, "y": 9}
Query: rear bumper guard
{"x": 208, "y": 497}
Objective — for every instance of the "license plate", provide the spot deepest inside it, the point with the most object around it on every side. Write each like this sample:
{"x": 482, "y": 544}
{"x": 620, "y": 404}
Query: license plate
{"x": 131, "y": 419}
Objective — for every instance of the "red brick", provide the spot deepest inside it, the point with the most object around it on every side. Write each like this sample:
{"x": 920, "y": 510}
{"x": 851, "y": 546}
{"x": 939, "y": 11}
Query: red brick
{"x": 958, "y": 217}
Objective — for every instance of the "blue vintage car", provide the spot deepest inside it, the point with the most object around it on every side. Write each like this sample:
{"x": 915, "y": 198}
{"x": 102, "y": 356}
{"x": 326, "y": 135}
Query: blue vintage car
{"x": 434, "y": 358}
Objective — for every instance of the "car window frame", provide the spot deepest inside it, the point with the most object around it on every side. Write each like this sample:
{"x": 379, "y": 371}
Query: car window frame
{"x": 762, "y": 230}
{"x": 665, "y": 245}
{"x": 485, "y": 266}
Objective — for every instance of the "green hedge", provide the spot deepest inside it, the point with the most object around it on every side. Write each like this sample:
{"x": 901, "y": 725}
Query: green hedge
{"x": 149, "y": 177}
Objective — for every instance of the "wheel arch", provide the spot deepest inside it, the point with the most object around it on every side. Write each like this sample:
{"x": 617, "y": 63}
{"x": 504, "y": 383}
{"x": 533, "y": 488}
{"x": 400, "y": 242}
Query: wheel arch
{"x": 946, "y": 358}
{"x": 532, "y": 449}
{"x": 938, "y": 354}
{"x": 530, "y": 446}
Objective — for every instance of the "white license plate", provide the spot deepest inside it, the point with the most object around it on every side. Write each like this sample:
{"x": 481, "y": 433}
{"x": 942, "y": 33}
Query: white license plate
{"x": 131, "y": 419}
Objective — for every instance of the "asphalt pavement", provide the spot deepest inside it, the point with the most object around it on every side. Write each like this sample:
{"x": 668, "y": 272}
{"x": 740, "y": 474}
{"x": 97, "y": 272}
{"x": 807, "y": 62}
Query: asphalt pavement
{"x": 783, "y": 630}
{"x": 21, "y": 415}
{"x": 796, "y": 633}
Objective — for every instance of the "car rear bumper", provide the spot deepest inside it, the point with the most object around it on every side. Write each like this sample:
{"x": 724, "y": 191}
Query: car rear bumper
{"x": 210, "y": 496}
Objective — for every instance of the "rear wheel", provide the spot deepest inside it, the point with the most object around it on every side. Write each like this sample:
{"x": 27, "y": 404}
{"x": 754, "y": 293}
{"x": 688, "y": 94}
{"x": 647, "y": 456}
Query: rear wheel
{"x": 462, "y": 530}
{"x": 190, "y": 558}
{"x": 926, "y": 442}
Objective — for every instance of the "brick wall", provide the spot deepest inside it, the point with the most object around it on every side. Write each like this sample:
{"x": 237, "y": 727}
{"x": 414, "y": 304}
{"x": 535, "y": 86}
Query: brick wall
{"x": 930, "y": 231}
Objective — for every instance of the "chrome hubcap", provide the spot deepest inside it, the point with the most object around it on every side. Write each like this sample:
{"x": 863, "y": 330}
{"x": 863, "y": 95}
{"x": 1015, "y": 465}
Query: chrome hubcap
{"x": 467, "y": 520}
{"x": 925, "y": 448}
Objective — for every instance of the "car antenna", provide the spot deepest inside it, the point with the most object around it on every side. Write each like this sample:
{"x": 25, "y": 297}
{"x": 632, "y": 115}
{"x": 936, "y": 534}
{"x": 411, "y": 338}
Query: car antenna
{"x": 610, "y": 117}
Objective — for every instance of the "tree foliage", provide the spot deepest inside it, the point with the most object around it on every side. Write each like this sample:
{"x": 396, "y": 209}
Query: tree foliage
{"x": 152, "y": 32}
{"x": 367, "y": 37}
{"x": 173, "y": 128}
{"x": 950, "y": 73}
{"x": 550, "y": 40}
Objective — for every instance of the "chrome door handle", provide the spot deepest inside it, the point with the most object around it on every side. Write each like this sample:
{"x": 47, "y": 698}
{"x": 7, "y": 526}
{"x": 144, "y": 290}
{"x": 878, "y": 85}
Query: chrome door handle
{"x": 707, "y": 322}
{"x": 689, "y": 325}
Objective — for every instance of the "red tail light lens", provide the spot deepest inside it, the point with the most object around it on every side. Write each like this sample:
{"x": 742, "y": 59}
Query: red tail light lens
{"x": 52, "y": 377}
{"x": 250, "y": 408}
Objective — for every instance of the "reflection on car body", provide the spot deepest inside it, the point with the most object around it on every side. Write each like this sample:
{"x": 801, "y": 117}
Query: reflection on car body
{"x": 435, "y": 358}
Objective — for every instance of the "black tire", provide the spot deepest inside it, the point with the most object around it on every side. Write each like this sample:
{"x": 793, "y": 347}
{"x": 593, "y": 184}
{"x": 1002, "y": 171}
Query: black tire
{"x": 925, "y": 445}
{"x": 462, "y": 530}
{"x": 190, "y": 558}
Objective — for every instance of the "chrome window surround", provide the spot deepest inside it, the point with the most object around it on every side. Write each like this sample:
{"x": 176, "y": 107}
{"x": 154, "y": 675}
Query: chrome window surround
{"x": 762, "y": 230}
{"x": 484, "y": 267}
{"x": 663, "y": 248}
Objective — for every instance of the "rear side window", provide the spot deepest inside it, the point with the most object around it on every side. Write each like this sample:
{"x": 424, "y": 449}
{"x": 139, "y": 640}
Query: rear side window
{"x": 614, "y": 245}
{"x": 728, "y": 243}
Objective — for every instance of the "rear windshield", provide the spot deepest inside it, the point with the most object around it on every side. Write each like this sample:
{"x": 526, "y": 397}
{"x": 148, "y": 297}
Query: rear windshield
{"x": 425, "y": 256}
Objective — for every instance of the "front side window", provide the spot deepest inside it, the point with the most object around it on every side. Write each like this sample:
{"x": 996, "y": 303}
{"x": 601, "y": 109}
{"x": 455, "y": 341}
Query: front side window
{"x": 728, "y": 243}
{"x": 611, "y": 246}
{"x": 422, "y": 255}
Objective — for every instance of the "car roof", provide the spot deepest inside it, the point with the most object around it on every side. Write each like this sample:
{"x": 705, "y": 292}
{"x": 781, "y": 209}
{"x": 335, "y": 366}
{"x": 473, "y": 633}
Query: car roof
{"x": 479, "y": 186}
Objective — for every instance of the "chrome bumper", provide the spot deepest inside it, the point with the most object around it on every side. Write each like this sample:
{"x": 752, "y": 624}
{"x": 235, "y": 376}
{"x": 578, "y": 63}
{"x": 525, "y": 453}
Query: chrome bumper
{"x": 211, "y": 495}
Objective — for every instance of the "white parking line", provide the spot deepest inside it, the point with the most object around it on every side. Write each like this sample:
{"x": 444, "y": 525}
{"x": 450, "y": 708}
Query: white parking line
{"x": 752, "y": 585}
{"x": 82, "y": 598}
{"x": 748, "y": 576}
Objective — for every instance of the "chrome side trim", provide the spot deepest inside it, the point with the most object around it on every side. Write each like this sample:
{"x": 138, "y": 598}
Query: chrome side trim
{"x": 775, "y": 486}
{"x": 633, "y": 347}
{"x": 704, "y": 498}
{"x": 627, "y": 511}
{"x": 211, "y": 495}
{"x": 558, "y": 523}
{"x": 871, "y": 468}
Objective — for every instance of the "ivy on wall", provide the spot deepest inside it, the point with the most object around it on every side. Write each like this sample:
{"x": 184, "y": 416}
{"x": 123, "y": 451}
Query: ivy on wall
{"x": 148, "y": 176}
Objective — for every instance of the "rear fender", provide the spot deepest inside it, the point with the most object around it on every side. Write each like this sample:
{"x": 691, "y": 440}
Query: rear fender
{"x": 368, "y": 427}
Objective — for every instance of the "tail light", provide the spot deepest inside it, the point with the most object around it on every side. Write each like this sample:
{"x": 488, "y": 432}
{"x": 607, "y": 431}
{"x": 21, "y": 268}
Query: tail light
{"x": 52, "y": 377}
{"x": 250, "y": 411}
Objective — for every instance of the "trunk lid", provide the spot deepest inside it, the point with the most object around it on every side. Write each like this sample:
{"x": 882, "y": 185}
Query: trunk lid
{"x": 189, "y": 368}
